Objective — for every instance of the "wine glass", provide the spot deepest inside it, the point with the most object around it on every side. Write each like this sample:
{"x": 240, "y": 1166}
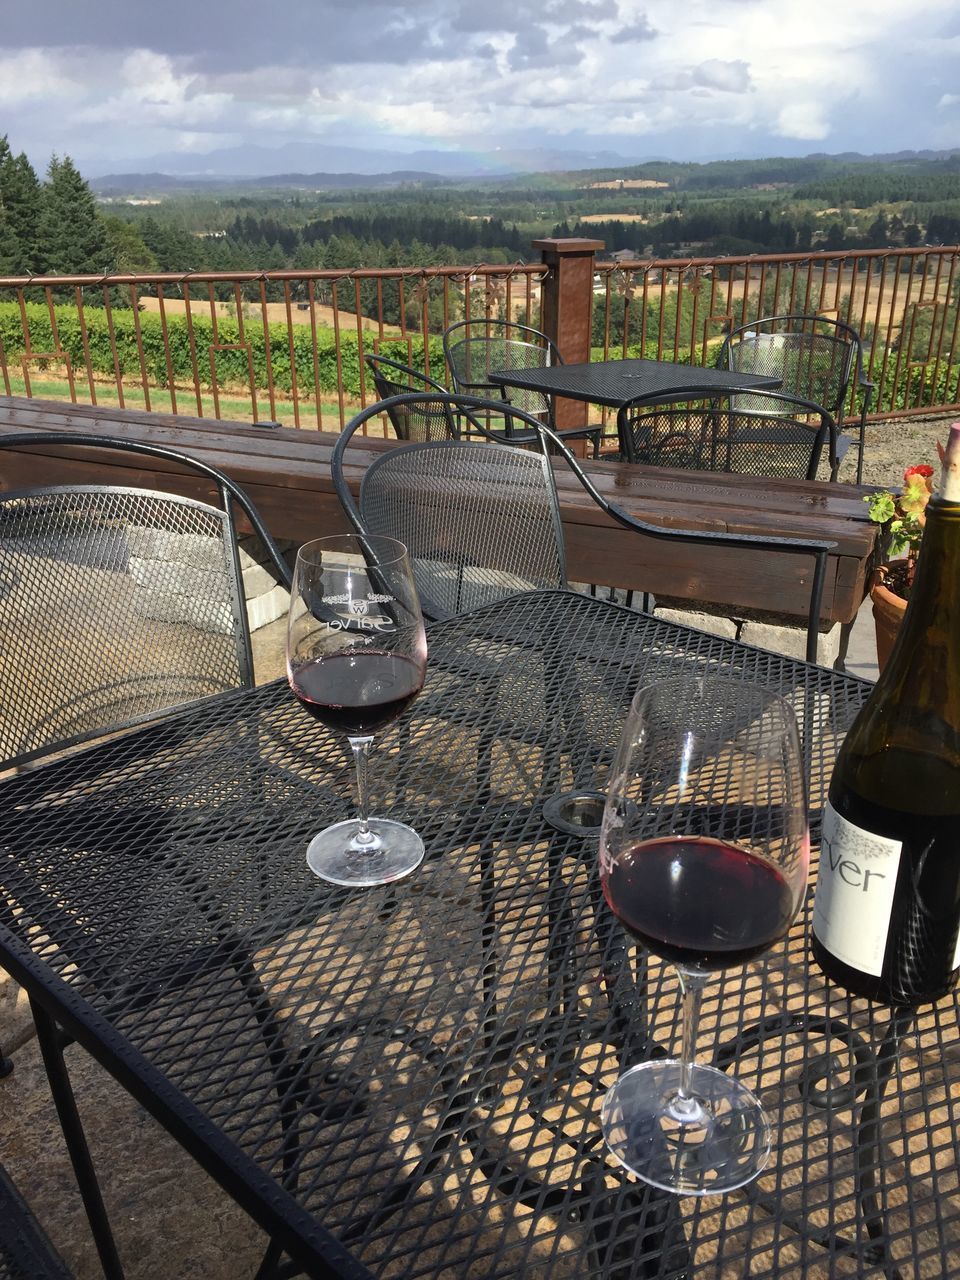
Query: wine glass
{"x": 356, "y": 657}
{"x": 704, "y": 851}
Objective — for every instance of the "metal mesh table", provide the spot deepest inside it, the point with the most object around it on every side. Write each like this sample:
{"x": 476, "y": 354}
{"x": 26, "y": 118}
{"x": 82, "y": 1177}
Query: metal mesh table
{"x": 614, "y": 382}
{"x": 406, "y": 1081}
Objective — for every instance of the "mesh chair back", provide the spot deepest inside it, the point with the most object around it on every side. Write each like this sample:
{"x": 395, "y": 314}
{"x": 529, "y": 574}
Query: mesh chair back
{"x": 815, "y": 358}
{"x": 414, "y": 421}
{"x": 480, "y": 520}
{"x": 116, "y": 605}
{"x": 474, "y": 348}
{"x": 715, "y": 438}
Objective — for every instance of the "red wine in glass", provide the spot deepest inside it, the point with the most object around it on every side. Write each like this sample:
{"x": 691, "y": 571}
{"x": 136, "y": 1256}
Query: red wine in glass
{"x": 356, "y": 658}
{"x": 699, "y": 902}
{"x": 357, "y": 692}
{"x": 704, "y": 850}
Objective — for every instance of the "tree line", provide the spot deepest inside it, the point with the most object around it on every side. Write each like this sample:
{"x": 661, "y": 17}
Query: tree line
{"x": 54, "y": 227}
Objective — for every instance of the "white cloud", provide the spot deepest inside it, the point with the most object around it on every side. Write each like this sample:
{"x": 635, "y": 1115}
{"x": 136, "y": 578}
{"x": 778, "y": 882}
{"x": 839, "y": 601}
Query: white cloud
{"x": 153, "y": 91}
{"x": 804, "y": 120}
{"x": 36, "y": 74}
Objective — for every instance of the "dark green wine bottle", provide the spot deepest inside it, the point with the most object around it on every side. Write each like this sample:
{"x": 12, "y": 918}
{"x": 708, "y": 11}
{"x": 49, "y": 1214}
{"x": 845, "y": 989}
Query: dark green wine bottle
{"x": 886, "y": 917}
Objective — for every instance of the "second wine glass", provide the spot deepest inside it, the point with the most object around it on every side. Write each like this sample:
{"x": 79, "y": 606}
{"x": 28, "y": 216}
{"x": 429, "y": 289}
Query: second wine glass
{"x": 704, "y": 851}
{"x": 356, "y": 658}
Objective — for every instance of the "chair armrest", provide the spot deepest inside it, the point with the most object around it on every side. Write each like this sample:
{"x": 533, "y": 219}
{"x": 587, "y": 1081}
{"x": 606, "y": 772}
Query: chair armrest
{"x": 796, "y": 546}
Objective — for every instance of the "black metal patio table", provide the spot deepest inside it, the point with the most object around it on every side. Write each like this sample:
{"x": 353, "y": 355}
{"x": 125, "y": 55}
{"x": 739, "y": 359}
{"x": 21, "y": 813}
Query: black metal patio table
{"x": 406, "y": 1081}
{"x": 614, "y": 382}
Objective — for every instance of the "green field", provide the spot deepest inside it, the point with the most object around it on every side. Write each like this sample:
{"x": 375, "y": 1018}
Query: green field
{"x": 232, "y": 407}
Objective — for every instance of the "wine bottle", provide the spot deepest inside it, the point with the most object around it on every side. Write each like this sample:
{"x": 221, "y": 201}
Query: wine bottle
{"x": 886, "y": 916}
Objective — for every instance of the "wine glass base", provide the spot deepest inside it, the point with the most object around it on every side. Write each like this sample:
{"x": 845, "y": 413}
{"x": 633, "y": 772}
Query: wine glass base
{"x": 717, "y": 1140}
{"x": 393, "y": 851}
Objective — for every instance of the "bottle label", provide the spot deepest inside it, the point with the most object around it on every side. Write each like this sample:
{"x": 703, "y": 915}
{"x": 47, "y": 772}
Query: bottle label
{"x": 855, "y": 887}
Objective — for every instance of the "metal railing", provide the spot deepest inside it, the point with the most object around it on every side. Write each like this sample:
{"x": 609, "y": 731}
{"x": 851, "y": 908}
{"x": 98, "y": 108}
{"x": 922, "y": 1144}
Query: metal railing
{"x": 284, "y": 344}
{"x": 904, "y": 303}
{"x": 289, "y": 345}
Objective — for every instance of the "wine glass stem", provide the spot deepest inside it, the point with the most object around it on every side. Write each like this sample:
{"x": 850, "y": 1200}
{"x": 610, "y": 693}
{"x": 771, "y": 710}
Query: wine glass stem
{"x": 692, "y": 985}
{"x": 361, "y": 748}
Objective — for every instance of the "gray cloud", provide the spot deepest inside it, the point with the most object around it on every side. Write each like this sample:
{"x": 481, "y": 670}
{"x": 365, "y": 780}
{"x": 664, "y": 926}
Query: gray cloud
{"x": 213, "y": 36}
{"x": 533, "y": 49}
{"x": 712, "y": 75}
{"x": 636, "y": 31}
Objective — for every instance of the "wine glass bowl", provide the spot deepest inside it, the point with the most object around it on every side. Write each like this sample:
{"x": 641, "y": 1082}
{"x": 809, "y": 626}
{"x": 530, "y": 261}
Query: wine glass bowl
{"x": 704, "y": 853}
{"x": 356, "y": 658}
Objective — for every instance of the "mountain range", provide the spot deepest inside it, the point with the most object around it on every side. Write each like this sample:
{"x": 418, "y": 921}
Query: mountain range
{"x": 297, "y": 164}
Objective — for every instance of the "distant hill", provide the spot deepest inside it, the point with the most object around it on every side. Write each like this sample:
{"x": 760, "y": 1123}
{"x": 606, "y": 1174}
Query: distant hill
{"x": 133, "y": 184}
{"x": 528, "y": 169}
{"x": 296, "y": 164}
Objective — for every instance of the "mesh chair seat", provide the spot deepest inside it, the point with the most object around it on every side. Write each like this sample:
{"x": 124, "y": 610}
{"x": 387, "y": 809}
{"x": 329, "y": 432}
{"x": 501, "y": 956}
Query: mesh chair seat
{"x": 479, "y": 520}
{"x": 815, "y": 364}
{"x": 471, "y": 360}
{"x": 473, "y": 348}
{"x": 116, "y": 605}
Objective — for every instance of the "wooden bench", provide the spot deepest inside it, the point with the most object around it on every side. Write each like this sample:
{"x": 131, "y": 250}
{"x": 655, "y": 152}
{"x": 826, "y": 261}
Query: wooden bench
{"x": 287, "y": 474}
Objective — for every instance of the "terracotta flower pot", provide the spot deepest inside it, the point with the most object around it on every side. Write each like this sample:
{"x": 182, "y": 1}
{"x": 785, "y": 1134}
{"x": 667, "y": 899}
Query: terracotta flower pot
{"x": 888, "y": 611}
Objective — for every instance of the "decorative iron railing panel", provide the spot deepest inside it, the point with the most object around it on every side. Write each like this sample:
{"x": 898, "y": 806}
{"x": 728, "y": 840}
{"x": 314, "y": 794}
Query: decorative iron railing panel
{"x": 289, "y": 345}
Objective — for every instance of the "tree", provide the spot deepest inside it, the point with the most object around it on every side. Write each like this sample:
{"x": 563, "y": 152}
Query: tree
{"x": 71, "y": 230}
{"x": 173, "y": 248}
{"x": 912, "y": 235}
{"x": 128, "y": 253}
{"x": 20, "y": 204}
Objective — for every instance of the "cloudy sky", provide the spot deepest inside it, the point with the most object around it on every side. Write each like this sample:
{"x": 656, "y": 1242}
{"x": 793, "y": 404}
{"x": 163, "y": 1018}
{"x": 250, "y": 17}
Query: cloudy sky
{"x": 123, "y": 83}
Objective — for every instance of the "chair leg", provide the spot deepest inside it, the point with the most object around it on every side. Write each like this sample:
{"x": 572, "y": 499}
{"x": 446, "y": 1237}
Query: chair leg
{"x": 840, "y": 663}
{"x": 51, "y": 1047}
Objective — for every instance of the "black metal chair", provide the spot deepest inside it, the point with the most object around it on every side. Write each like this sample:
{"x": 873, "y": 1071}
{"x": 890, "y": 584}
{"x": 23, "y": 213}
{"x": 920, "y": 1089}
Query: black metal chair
{"x": 480, "y": 520}
{"x": 117, "y": 604}
{"x": 818, "y": 359}
{"x": 476, "y": 535}
{"x": 473, "y": 348}
{"x": 391, "y": 378}
{"x": 699, "y": 430}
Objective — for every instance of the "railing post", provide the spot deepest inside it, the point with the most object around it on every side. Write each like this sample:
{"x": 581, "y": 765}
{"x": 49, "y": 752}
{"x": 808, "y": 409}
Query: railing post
{"x": 567, "y": 308}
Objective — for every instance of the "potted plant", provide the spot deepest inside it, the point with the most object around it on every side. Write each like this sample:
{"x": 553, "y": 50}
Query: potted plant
{"x": 904, "y": 515}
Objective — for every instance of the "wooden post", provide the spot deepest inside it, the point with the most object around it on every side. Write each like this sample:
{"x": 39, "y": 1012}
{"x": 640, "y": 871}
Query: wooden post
{"x": 567, "y": 309}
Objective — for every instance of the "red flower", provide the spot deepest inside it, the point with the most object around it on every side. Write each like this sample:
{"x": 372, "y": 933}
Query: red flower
{"x": 922, "y": 470}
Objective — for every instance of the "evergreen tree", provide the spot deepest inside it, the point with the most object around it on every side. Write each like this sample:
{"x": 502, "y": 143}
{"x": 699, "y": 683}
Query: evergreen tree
{"x": 128, "y": 253}
{"x": 20, "y": 206}
{"x": 173, "y": 247}
{"x": 71, "y": 230}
